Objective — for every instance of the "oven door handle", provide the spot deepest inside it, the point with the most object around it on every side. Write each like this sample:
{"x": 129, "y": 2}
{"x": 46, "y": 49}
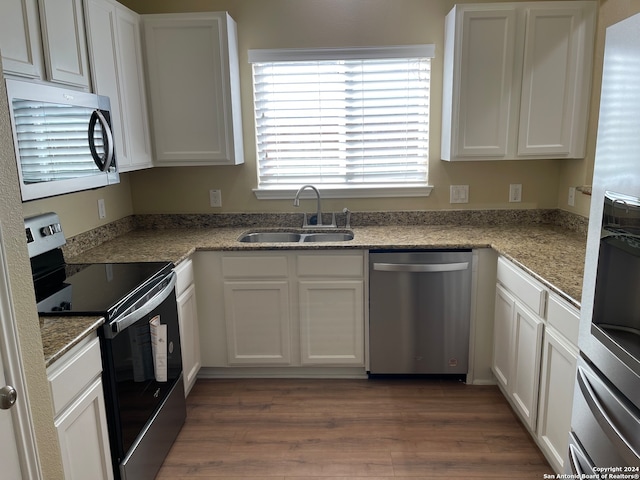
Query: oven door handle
{"x": 626, "y": 449}
{"x": 129, "y": 318}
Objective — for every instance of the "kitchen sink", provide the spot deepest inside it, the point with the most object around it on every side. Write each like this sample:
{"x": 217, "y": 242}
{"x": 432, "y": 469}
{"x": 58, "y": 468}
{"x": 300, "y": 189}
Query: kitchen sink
{"x": 271, "y": 237}
{"x": 294, "y": 237}
{"x": 327, "y": 237}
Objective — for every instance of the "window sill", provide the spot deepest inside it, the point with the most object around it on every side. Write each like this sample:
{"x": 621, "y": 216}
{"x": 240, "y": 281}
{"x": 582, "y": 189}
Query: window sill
{"x": 287, "y": 193}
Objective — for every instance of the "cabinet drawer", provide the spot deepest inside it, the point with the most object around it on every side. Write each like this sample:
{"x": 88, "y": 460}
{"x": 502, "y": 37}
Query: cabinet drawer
{"x": 564, "y": 318}
{"x": 184, "y": 271}
{"x": 529, "y": 291}
{"x": 254, "y": 267}
{"x": 331, "y": 265}
{"x": 76, "y": 370}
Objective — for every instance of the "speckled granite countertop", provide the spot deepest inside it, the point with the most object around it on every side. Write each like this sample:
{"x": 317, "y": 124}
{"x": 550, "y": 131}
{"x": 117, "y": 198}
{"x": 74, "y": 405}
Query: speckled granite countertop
{"x": 553, "y": 255}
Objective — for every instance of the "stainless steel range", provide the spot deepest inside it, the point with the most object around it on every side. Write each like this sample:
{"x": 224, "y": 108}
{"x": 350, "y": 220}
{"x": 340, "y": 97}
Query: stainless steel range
{"x": 140, "y": 343}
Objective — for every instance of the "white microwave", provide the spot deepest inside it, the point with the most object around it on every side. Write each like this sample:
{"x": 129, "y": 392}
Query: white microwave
{"x": 63, "y": 139}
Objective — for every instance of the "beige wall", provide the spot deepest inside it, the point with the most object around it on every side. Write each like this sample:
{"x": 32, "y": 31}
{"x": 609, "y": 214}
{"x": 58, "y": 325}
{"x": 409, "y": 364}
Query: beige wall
{"x": 23, "y": 300}
{"x": 329, "y": 23}
{"x": 579, "y": 172}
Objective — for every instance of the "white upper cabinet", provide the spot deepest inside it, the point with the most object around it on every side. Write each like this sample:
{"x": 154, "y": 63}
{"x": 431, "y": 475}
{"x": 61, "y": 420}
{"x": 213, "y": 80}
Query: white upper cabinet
{"x": 115, "y": 53}
{"x": 194, "y": 87}
{"x": 20, "y": 42}
{"x": 517, "y": 79}
{"x": 64, "y": 41}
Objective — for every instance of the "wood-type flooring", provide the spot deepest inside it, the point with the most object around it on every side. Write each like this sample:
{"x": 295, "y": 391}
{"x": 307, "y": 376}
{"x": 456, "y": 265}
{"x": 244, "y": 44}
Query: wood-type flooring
{"x": 291, "y": 429}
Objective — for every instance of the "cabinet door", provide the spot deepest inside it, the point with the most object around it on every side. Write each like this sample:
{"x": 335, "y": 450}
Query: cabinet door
{"x": 478, "y": 82}
{"x": 194, "y": 97}
{"x": 20, "y": 38}
{"x": 65, "y": 46}
{"x": 116, "y": 62}
{"x": 552, "y": 75}
{"x": 502, "y": 337}
{"x": 133, "y": 89}
{"x": 83, "y": 436}
{"x": 557, "y": 377}
{"x": 257, "y": 322}
{"x": 189, "y": 337}
{"x": 527, "y": 344}
{"x": 331, "y": 322}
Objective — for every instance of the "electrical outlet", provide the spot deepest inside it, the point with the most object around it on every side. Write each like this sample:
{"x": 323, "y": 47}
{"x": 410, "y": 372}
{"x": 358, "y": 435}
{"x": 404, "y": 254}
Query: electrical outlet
{"x": 571, "y": 200}
{"x": 459, "y": 194}
{"x": 215, "y": 198}
{"x": 515, "y": 192}
{"x": 102, "y": 211}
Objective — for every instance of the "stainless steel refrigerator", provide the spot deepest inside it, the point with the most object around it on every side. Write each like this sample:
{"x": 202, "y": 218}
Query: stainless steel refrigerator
{"x": 605, "y": 424}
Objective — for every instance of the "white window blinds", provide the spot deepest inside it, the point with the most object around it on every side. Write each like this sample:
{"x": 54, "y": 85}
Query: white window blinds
{"x": 342, "y": 118}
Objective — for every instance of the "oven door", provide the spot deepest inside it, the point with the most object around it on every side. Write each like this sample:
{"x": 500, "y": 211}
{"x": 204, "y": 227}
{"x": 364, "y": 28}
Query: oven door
{"x": 605, "y": 424}
{"x": 141, "y": 378}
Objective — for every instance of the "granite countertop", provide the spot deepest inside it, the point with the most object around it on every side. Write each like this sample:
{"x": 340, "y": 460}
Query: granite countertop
{"x": 552, "y": 254}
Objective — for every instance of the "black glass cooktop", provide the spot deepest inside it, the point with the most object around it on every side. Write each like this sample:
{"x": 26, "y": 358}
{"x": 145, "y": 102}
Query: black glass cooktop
{"x": 96, "y": 288}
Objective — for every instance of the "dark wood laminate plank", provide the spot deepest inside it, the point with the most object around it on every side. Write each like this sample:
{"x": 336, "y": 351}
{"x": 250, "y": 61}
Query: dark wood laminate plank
{"x": 289, "y": 429}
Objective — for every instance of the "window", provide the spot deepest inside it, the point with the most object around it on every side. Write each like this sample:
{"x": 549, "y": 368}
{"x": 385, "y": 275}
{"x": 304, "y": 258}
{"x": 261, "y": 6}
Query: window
{"x": 354, "y": 122}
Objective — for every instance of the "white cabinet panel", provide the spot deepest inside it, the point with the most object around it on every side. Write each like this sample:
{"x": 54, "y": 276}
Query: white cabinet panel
{"x": 117, "y": 65}
{"x": 502, "y": 336}
{"x": 83, "y": 436}
{"x": 195, "y": 97}
{"x": 557, "y": 377}
{"x": 189, "y": 336}
{"x": 331, "y": 322}
{"x": 20, "y": 42}
{"x": 527, "y": 341}
{"x": 65, "y": 46}
{"x": 80, "y": 415}
{"x": 257, "y": 322}
{"x": 517, "y": 79}
{"x": 478, "y": 82}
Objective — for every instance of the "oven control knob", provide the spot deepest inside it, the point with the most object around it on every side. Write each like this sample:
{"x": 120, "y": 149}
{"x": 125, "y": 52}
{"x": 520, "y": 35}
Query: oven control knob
{"x": 8, "y": 397}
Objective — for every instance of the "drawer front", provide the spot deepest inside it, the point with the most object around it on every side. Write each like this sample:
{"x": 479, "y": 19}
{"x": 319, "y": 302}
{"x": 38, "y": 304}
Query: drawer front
{"x": 184, "y": 272}
{"x": 331, "y": 265}
{"x": 564, "y": 318}
{"x": 255, "y": 267}
{"x": 528, "y": 291}
{"x": 71, "y": 375}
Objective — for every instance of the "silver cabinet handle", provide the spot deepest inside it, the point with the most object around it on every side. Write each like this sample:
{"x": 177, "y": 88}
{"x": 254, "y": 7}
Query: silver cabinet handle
{"x": 421, "y": 267}
{"x": 8, "y": 397}
{"x": 626, "y": 449}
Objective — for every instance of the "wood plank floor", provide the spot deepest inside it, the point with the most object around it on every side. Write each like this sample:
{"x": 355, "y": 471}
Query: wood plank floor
{"x": 289, "y": 429}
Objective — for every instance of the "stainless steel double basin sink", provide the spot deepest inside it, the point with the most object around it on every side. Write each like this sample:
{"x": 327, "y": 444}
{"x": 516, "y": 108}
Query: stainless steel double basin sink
{"x": 295, "y": 237}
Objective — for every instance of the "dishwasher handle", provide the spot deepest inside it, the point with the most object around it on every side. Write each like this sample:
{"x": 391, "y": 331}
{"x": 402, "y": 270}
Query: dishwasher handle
{"x": 420, "y": 267}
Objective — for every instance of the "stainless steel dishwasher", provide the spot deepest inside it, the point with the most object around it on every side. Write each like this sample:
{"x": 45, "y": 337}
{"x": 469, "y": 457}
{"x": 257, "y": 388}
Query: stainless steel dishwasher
{"x": 419, "y": 311}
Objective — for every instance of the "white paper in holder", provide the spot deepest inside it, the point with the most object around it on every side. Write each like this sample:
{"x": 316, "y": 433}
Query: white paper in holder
{"x": 159, "y": 348}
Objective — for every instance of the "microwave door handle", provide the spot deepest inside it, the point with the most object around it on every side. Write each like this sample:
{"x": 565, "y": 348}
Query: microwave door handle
{"x": 102, "y": 164}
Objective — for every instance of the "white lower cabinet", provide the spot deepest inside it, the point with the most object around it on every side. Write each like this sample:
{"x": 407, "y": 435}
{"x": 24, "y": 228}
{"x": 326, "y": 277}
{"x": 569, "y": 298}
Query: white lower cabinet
{"x": 534, "y": 357}
{"x": 188, "y": 321}
{"x": 281, "y": 308}
{"x": 79, "y": 409}
{"x": 557, "y": 376}
{"x": 257, "y": 322}
{"x": 516, "y": 359}
{"x": 527, "y": 342}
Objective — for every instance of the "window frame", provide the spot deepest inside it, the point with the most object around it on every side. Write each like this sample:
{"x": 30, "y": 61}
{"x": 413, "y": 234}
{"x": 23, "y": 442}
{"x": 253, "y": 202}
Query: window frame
{"x": 352, "y": 53}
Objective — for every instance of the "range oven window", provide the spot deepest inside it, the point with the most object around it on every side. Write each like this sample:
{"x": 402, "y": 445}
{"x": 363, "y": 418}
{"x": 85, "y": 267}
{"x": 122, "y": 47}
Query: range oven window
{"x": 616, "y": 315}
